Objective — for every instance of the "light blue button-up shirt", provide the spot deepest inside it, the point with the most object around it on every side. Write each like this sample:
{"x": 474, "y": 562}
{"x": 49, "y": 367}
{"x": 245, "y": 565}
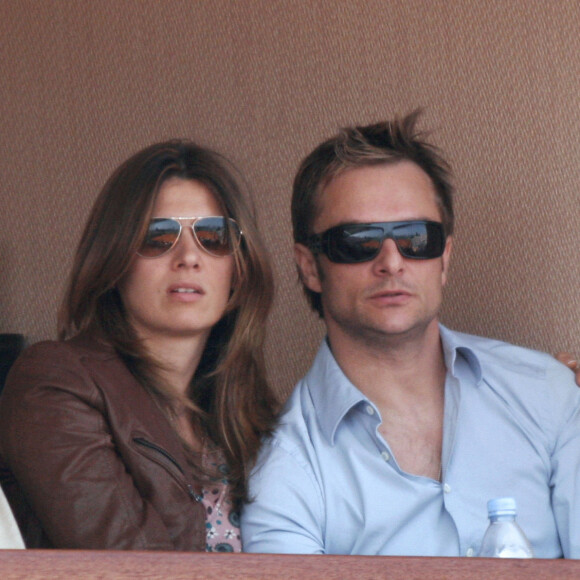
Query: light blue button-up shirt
{"x": 327, "y": 482}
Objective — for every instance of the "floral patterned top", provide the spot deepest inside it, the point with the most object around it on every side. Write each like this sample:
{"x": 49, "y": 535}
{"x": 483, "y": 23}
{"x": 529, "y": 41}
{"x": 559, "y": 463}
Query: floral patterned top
{"x": 221, "y": 521}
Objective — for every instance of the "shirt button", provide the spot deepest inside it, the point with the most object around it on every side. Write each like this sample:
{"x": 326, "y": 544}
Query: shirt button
{"x": 385, "y": 456}
{"x": 370, "y": 410}
{"x": 469, "y": 552}
{"x": 447, "y": 488}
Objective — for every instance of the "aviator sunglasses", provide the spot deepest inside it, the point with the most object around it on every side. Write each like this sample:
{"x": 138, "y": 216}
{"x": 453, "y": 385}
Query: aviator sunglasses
{"x": 217, "y": 235}
{"x": 355, "y": 243}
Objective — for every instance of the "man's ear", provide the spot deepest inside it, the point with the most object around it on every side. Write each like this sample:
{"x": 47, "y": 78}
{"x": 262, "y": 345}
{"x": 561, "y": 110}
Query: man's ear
{"x": 307, "y": 267}
{"x": 446, "y": 259}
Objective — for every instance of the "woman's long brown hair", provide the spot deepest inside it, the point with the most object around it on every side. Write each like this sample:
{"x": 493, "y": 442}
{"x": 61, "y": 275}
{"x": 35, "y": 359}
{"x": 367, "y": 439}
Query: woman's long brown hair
{"x": 230, "y": 399}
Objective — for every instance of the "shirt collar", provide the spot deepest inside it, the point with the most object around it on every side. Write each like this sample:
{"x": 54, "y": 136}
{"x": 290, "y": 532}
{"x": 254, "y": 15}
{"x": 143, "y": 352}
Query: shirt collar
{"x": 456, "y": 347}
{"x": 333, "y": 395}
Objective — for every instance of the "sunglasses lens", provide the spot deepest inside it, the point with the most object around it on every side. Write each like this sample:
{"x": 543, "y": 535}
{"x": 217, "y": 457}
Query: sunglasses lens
{"x": 352, "y": 244}
{"x": 160, "y": 238}
{"x": 218, "y": 236}
{"x": 419, "y": 240}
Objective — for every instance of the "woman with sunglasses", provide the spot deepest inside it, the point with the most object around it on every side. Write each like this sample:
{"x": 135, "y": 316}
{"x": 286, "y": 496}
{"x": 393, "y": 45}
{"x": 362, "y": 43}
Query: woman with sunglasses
{"x": 137, "y": 428}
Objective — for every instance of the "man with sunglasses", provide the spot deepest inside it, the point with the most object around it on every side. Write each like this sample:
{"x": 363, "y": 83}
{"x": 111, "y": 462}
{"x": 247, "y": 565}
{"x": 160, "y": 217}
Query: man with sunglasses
{"x": 403, "y": 429}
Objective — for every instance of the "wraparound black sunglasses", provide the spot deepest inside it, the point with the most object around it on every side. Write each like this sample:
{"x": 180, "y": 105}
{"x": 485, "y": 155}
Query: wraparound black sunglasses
{"x": 357, "y": 242}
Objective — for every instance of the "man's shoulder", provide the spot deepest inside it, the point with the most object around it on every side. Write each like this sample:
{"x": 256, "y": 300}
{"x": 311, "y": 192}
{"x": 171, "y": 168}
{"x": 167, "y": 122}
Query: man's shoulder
{"x": 507, "y": 366}
{"x": 497, "y": 352}
{"x": 297, "y": 413}
{"x": 298, "y": 423}
{"x": 321, "y": 399}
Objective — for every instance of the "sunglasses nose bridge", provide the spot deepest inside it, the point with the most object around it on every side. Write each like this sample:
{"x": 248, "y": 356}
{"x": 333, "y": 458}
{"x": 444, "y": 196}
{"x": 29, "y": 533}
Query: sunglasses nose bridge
{"x": 180, "y": 243}
{"x": 389, "y": 233}
{"x": 389, "y": 256}
{"x": 386, "y": 235}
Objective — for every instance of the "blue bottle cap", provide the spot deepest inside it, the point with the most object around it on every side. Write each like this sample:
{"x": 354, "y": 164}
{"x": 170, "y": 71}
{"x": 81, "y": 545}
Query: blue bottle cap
{"x": 501, "y": 506}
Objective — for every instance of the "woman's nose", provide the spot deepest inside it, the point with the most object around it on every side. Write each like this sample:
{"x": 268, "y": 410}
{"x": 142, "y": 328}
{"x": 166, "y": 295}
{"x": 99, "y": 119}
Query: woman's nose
{"x": 187, "y": 253}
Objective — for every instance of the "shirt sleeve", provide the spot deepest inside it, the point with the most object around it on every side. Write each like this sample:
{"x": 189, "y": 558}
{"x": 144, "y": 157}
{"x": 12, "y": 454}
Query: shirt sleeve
{"x": 10, "y": 538}
{"x": 286, "y": 513}
{"x": 565, "y": 481}
{"x": 57, "y": 443}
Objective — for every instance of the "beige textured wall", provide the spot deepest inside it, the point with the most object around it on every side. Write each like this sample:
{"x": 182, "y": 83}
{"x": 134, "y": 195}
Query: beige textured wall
{"x": 84, "y": 84}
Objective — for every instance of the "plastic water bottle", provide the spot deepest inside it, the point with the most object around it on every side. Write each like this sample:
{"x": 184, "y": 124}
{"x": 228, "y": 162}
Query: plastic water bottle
{"x": 504, "y": 538}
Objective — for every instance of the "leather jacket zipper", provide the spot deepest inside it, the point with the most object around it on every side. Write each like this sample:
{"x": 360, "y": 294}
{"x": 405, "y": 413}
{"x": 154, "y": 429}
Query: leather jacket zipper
{"x": 145, "y": 443}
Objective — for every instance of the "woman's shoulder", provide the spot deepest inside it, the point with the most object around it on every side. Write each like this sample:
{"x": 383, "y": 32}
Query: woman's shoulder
{"x": 82, "y": 346}
{"x": 81, "y": 376}
{"x": 73, "y": 364}
{"x": 79, "y": 352}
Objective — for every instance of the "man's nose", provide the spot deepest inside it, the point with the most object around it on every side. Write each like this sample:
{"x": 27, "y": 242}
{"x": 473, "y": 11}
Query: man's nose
{"x": 389, "y": 260}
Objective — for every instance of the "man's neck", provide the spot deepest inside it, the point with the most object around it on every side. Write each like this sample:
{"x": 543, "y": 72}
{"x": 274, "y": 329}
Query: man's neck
{"x": 393, "y": 367}
{"x": 405, "y": 378}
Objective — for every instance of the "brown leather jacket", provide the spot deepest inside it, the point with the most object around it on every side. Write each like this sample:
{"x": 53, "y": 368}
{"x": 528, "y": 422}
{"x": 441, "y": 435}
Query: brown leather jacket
{"x": 88, "y": 459}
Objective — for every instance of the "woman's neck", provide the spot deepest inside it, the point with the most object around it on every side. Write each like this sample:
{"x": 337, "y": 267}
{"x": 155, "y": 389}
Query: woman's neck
{"x": 179, "y": 358}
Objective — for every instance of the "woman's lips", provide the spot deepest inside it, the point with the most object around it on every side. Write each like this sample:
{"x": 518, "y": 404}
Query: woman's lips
{"x": 185, "y": 292}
